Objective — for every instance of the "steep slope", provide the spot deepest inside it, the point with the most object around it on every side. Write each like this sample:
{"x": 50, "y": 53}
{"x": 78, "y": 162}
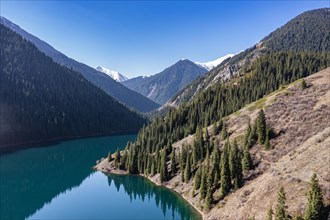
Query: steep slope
{"x": 307, "y": 32}
{"x": 299, "y": 119}
{"x": 162, "y": 86}
{"x": 101, "y": 80}
{"x": 113, "y": 74}
{"x": 42, "y": 100}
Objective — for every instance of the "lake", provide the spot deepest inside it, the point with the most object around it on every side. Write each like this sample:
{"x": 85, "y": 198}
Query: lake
{"x": 57, "y": 181}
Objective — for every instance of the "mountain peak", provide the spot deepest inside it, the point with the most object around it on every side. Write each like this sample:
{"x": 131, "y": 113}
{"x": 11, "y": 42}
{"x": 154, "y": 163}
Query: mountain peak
{"x": 113, "y": 74}
{"x": 211, "y": 64}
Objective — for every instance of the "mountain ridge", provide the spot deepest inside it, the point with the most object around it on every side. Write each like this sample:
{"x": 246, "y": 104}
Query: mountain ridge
{"x": 301, "y": 30}
{"x": 162, "y": 86}
{"x": 43, "y": 100}
{"x": 110, "y": 86}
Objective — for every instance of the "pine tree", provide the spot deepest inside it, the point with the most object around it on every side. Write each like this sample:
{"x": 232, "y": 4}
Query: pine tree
{"x": 261, "y": 127}
{"x": 152, "y": 169}
{"x": 235, "y": 166}
{"x": 280, "y": 211}
{"x": 109, "y": 156}
{"x": 208, "y": 199}
{"x": 181, "y": 167}
{"x": 215, "y": 129}
{"x": 173, "y": 162}
{"x": 187, "y": 170}
{"x": 303, "y": 84}
{"x": 117, "y": 158}
{"x": 270, "y": 213}
{"x": 197, "y": 179}
{"x": 246, "y": 160}
{"x": 203, "y": 186}
{"x": 225, "y": 180}
{"x": 163, "y": 168}
{"x": 315, "y": 200}
{"x": 224, "y": 133}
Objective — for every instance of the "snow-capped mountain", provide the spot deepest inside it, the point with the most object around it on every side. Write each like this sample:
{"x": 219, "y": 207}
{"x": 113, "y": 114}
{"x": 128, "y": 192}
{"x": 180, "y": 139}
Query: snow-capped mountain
{"x": 211, "y": 64}
{"x": 113, "y": 74}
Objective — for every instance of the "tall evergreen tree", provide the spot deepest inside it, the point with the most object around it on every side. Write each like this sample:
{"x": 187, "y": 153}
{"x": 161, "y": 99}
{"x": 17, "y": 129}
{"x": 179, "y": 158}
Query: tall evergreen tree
{"x": 117, "y": 158}
{"x": 187, "y": 169}
{"x": 208, "y": 199}
{"x": 225, "y": 179}
{"x": 270, "y": 213}
{"x": 315, "y": 204}
{"x": 109, "y": 156}
{"x": 261, "y": 127}
{"x": 197, "y": 179}
{"x": 235, "y": 166}
{"x": 246, "y": 160}
{"x": 203, "y": 186}
{"x": 163, "y": 167}
{"x": 173, "y": 162}
{"x": 280, "y": 211}
{"x": 303, "y": 84}
{"x": 224, "y": 133}
{"x": 215, "y": 129}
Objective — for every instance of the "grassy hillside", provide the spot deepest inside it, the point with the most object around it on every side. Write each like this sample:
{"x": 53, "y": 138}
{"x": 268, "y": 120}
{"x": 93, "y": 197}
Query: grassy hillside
{"x": 299, "y": 120}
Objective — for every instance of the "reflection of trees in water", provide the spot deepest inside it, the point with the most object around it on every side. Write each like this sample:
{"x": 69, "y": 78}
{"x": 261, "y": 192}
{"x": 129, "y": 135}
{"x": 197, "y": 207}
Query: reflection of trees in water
{"x": 32, "y": 178}
{"x": 137, "y": 187}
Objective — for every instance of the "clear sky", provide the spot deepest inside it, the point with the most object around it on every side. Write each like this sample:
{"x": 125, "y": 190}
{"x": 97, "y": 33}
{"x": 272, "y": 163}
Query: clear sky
{"x": 143, "y": 38}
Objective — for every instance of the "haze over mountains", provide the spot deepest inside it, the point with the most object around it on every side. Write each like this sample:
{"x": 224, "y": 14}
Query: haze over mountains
{"x": 42, "y": 100}
{"x": 101, "y": 80}
{"x": 164, "y": 85}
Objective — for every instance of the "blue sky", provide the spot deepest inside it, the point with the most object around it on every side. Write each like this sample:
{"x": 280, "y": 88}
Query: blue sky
{"x": 143, "y": 38}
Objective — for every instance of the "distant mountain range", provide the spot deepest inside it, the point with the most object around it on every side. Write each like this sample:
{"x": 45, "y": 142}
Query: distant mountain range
{"x": 164, "y": 85}
{"x": 42, "y": 100}
{"x": 297, "y": 35}
{"x": 126, "y": 96}
{"x": 113, "y": 74}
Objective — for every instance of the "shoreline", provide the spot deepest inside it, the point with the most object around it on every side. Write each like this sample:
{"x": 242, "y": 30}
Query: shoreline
{"x": 103, "y": 166}
{"x": 5, "y": 149}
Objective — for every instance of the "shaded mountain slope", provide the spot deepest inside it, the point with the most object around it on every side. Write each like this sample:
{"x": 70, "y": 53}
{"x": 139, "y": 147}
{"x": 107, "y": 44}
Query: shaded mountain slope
{"x": 162, "y": 86}
{"x": 101, "y": 80}
{"x": 42, "y": 100}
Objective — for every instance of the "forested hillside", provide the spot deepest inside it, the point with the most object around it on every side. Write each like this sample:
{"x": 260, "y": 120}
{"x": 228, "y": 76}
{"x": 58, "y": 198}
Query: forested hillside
{"x": 218, "y": 165}
{"x": 115, "y": 89}
{"x": 308, "y": 32}
{"x": 42, "y": 100}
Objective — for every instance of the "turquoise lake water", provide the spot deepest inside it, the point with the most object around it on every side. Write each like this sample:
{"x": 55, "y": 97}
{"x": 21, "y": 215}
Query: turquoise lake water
{"x": 57, "y": 182}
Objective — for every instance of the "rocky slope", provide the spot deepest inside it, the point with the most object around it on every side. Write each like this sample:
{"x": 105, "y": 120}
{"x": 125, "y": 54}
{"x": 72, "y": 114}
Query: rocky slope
{"x": 300, "y": 120}
{"x": 306, "y": 32}
{"x": 162, "y": 86}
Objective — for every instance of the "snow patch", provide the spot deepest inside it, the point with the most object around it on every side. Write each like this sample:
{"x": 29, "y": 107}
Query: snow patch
{"x": 211, "y": 64}
{"x": 113, "y": 74}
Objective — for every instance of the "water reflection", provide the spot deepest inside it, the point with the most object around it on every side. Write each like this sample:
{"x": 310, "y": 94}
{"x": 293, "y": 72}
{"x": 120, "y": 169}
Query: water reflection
{"x": 57, "y": 182}
{"x": 138, "y": 188}
{"x": 30, "y": 178}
